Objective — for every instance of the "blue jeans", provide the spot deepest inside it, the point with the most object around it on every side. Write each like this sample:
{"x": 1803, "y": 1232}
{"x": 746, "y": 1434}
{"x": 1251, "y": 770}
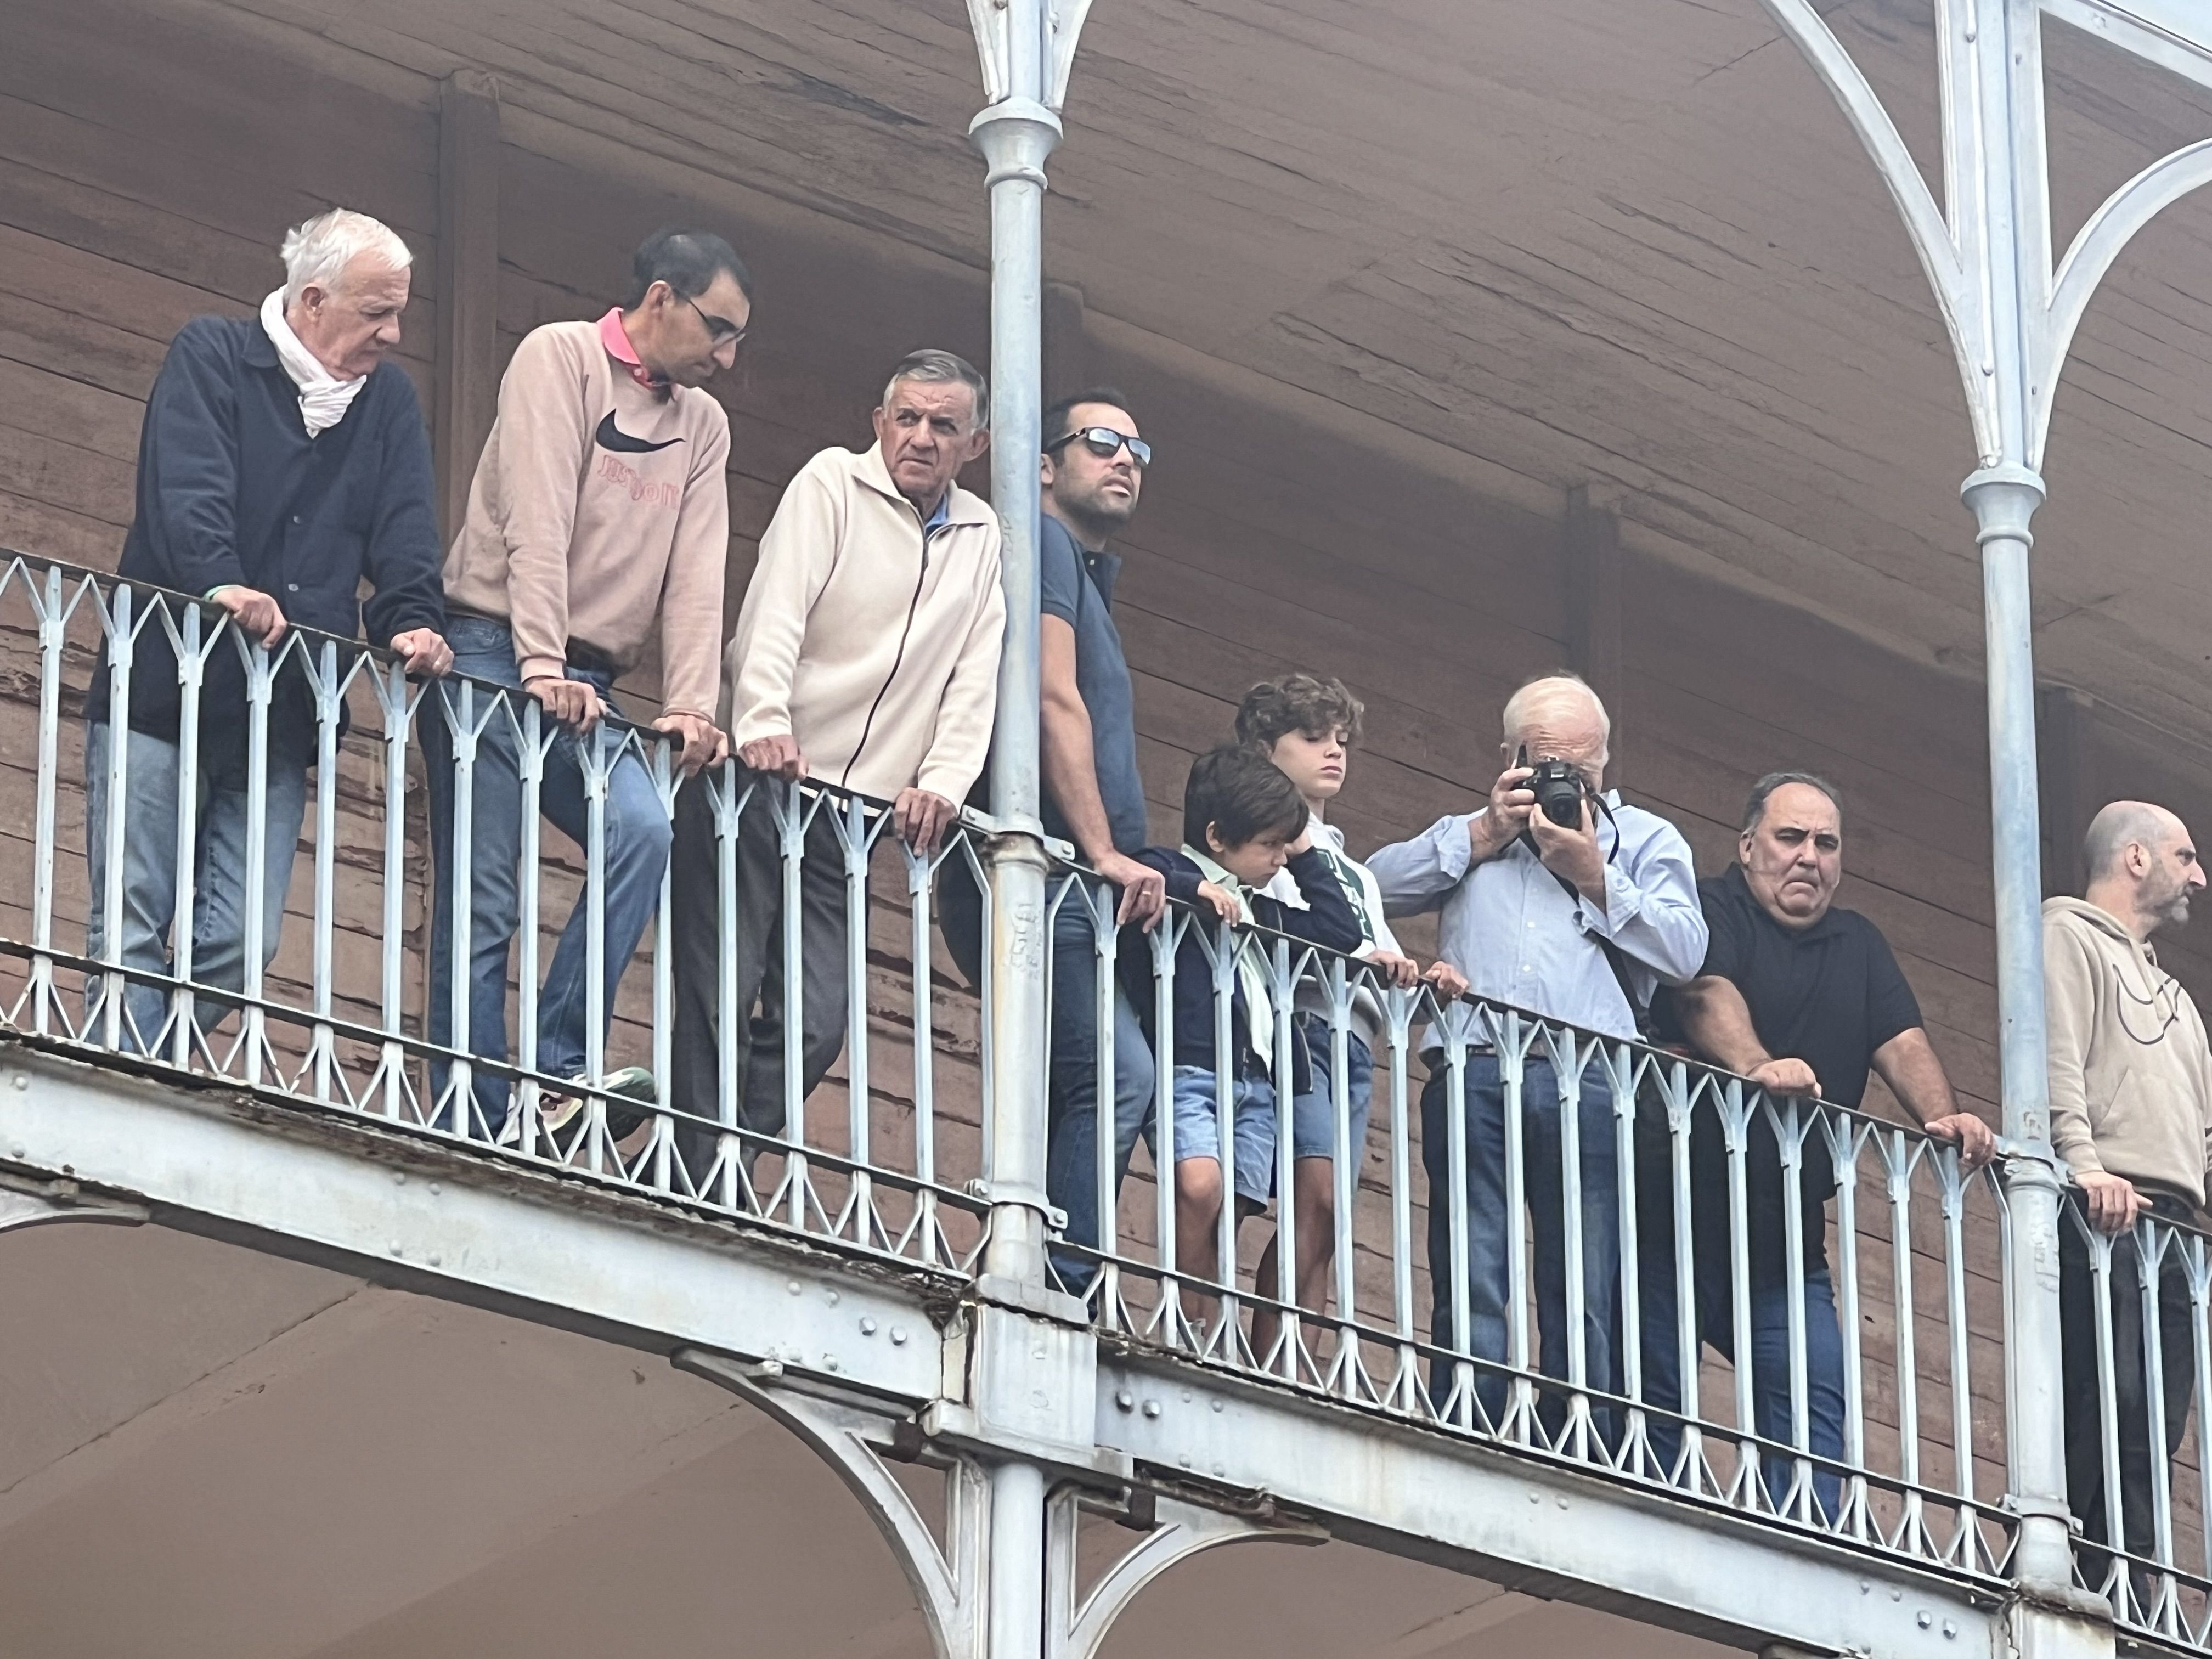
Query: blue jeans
{"x": 1313, "y": 1114}
{"x": 149, "y": 871}
{"x": 1711, "y": 1286}
{"x": 1251, "y": 1126}
{"x": 1771, "y": 1413}
{"x": 1072, "y": 1083}
{"x": 1489, "y": 1224}
{"x": 637, "y": 829}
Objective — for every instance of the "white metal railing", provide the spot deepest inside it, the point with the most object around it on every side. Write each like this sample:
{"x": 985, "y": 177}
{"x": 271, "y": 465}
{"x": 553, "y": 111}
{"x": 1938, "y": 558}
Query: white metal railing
{"x": 2137, "y": 1329}
{"x": 336, "y": 1015}
{"x": 1575, "y": 1208}
{"x": 1588, "y": 1257}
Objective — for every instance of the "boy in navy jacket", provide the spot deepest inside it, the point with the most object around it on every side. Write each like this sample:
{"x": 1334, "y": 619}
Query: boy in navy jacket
{"x": 1243, "y": 822}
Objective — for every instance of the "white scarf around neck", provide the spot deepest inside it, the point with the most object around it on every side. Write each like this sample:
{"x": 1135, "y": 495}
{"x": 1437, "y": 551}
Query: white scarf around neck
{"x": 324, "y": 398}
{"x": 1251, "y": 976}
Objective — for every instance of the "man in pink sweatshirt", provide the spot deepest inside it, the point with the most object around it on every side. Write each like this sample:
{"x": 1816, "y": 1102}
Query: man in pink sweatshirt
{"x": 598, "y": 526}
{"x": 867, "y": 656}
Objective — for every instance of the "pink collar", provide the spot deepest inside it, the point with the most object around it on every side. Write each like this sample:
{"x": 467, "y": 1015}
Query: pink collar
{"x": 616, "y": 338}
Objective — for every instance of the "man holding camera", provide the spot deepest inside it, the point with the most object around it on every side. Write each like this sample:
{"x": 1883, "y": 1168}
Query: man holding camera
{"x": 1576, "y": 913}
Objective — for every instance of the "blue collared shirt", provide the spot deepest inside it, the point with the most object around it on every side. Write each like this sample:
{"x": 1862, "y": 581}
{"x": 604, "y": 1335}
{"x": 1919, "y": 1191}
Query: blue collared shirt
{"x": 1522, "y": 939}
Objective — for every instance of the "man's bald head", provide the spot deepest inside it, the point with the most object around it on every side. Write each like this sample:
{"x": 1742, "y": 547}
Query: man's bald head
{"x": 2121, "y": 824}
{"x": 2142, "y": 865}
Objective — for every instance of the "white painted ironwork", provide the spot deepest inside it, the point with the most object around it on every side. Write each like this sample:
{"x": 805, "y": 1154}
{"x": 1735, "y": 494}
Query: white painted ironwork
{"x": 316, "y": 1183}
{"x": 1658, "y": 1190}
{"x": 338, "y": 1017}
{"x": 2138, "y": 1336}
{"x": 2012, "y": 313}
{"x": 1077, "y": 1621}
{"x": 952, "y": 1580}
{"x": 35, "y": 1203}
{"x": 1225, "y": 1408}
{"x": 1529, "y": 1525}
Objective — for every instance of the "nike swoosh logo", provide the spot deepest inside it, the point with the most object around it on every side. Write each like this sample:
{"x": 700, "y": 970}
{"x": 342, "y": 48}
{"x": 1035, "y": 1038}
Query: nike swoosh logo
{"x": 610, "y": 436}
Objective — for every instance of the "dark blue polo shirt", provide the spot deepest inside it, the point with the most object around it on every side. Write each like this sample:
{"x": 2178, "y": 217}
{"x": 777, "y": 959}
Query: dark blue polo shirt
{"x": 1077, "y": 587}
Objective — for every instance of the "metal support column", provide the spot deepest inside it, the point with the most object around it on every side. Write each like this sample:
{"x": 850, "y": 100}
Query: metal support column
{"x": 2004, "y": 499}
{"x": 1028, "y": 1344}
{"x": 1024, "y": 70}
{"x": 2011, "y": 315}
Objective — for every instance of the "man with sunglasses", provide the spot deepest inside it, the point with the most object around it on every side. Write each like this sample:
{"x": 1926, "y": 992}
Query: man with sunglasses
{"x": 597, "y": 527}
{"x": 1093, "y": 472}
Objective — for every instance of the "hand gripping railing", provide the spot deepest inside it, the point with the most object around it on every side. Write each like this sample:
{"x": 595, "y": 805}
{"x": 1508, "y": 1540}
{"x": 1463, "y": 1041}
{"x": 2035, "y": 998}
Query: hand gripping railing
{"x": 238, "y": 751}
{"x": 1605, "y": 1222}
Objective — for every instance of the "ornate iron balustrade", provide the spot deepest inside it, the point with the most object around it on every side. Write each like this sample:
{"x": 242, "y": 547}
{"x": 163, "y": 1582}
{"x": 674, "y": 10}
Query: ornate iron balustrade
{"x": 338, "y": 1017}
{"x": 1663, "y": 1159}
{"x": 1915, "y": 1243}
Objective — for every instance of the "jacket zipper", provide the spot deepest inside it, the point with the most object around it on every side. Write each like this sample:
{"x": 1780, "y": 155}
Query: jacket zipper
{"x": 898, "y": 657}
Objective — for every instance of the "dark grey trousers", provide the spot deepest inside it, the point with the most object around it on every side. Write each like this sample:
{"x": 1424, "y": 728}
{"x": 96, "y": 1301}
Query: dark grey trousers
{"x": 2145, "y": 1447}
{"x": 699, "y": 865}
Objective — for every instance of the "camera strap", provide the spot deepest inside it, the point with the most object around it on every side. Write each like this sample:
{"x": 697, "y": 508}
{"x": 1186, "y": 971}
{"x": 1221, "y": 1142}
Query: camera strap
{"x": 1638, "y": 1012}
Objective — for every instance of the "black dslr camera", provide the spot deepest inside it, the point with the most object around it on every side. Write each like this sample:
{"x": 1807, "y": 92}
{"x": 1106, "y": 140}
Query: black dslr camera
{"x": 1558, "y": 789}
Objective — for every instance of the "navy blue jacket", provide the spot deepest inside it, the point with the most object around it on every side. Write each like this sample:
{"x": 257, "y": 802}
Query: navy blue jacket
{"x": 1329, "y": 922}
{"x": 231, "y": 489}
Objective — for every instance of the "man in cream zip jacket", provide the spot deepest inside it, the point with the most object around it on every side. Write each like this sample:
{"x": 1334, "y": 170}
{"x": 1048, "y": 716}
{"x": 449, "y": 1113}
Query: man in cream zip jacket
{"x": 865, "y": 656}
{"x": 2131, "y": 1114}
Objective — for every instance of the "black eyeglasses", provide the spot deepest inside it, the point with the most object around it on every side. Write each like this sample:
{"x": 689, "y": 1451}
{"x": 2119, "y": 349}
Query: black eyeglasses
{"x": 720, "y": 333}
{"x": 1105, "y": 443}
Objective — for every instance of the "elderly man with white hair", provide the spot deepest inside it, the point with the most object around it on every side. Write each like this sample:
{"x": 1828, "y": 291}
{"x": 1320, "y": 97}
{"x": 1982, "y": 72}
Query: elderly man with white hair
{"x": 283, "y": 461}
{"x": 2131, "y": 1114}
{"x": 1579, "y": 923}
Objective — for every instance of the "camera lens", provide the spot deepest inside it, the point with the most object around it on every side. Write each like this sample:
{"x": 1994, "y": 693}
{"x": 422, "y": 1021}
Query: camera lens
{"x": 1559, "y": 791}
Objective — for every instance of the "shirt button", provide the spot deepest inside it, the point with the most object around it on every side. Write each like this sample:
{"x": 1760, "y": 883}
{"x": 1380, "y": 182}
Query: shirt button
{"x": 291, "y": 587}
{"x": 296, "y": 518}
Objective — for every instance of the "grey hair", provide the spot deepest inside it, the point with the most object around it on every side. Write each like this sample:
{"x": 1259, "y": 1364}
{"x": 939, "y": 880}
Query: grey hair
{"x": 1550, "y": 691}
{"x": 1754, "y": 806}
{"x": 316, "y": 250}
{"x": 933, "y": 367}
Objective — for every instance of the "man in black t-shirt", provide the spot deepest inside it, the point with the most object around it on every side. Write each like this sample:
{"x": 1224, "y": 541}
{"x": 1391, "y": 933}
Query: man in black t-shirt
{"x": 1803, "y": 999}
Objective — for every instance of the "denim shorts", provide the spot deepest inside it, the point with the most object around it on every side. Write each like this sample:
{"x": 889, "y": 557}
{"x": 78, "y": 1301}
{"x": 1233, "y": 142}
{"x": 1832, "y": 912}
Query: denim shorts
{"x": 1313, "y": 1114}
{"x": 1252, "y": 1122}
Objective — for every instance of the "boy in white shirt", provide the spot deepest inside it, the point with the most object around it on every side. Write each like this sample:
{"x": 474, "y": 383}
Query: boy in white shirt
{"x": 1307, "y": 726}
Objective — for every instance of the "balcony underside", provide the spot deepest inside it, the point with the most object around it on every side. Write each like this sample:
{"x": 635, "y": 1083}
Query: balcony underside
{"x": 449, "y": 1457}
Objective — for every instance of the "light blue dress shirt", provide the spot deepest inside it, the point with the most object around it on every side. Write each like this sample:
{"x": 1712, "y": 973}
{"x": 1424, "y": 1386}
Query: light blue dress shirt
{"x": 1521, "y": 938}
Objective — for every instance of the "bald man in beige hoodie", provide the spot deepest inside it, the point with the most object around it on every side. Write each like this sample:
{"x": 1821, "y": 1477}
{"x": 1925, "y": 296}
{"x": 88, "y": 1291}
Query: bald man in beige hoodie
{"x": 2131, "y": 1114}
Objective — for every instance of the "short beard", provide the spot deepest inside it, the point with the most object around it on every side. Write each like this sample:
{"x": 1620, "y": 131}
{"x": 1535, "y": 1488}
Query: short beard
{"x": 1096, "y": 520}
{"x": 2170, "y": 909}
